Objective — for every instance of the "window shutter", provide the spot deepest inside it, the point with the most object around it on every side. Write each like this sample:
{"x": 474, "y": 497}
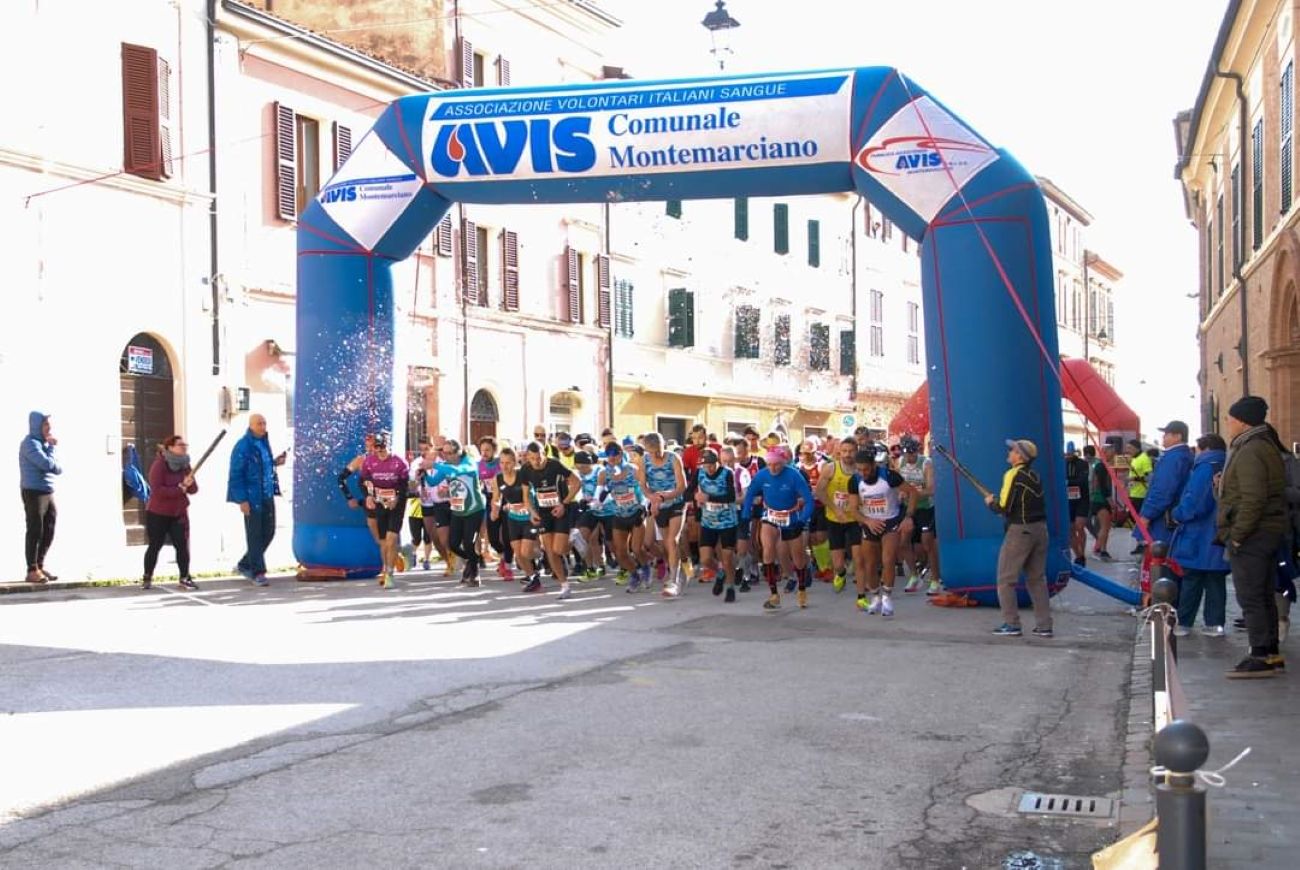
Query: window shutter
{"x": 342, "y": 144}
{"x": 572, "y": 287}
{"x": 503, "y": 72}
{"x": 165, "y": 117}
{"x": 603, "y": 291}
{"x": 469, "y": 261}
{"x": 819, "y": 347}
{"x": 673, "y": 208}
{"x": 623, "y": 324}
{"x": 286, "y": 163}
{"x": 443, "y": 237}
{"x": 814, "y": 244}
{"x": 781, "y": 228}
{"x": 465, "y": 62}
{"x": 142, "y": 149}
{"x": 781, "y": 334}
{"x": 681, "y": 317}
{"x": 1285, "y": 130}
{"x": 510, "y": 270}
{"x": 848, "y": 351}
{"x": 1257, "y": 183}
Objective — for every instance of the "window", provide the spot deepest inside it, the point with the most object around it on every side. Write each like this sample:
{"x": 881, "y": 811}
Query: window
{"x": 1218, "y": 243}
{"x": 1110, "y": 320}
{"x": 307, "y": 141}
{"x": 482, "y": 295}
{"x": 737, "y": 427}
{"x": 781, "y": 228}
{"x": 814, "y": 432}
{"x": 146, "y": 113}
{"x": 913, "y": 339}
{"x": 742, "y": 218}
{"x": 1257, "y": 196}
{"x": 819, "y": 347}
{"x": 747, "y": 337}
{"x": 781, "y": 337}
{"x": 877, "y": 332}
{"x": 887, "y": 231}
{"x": 814, "y": 244}
{"x": 623, "y": 325}
{"x": 681, "y": 318}
{"x": 673, "y": 208}
{"x": 1207, "y": 273}
{"x": 1060, "y": 299}
{"x": 1284, "y": 133}
{"x": 848, "y": 352}
{"x": 478, "y": 70}
{"x": 913, "y": 317}
{"x": 672, "y": 428}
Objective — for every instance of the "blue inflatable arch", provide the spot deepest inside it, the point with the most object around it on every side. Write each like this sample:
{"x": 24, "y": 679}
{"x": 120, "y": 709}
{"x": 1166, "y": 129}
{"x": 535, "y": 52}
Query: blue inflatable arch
{"x": 977, "y": 214}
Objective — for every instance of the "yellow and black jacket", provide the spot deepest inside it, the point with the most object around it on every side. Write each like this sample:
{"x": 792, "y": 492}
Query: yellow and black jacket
{"x": 1021, "y": 500}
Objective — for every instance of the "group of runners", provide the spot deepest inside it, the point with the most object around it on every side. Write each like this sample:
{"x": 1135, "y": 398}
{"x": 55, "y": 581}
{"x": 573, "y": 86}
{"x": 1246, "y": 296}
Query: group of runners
{"x": 737, "y": 512}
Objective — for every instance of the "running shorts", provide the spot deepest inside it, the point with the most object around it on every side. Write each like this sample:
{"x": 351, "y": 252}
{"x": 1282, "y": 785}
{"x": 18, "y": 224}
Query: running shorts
{"x": 819, "y": 520}
{"x": 389, "y": 520}
{"x": 665, "y": 515}
{"x": 713, "y": 537}
{"x": 629, "y": 523}
{"x": 1078, "y": 509}
{"x": 441, "y": 513}
{"x": 520, "y": 530}
{"x": 891, "y": 525}
{"x": 843, "y": 536}
{"x": 553, "y": 525}
{"x": 416, "y": 525}
{"x": 923, "y": 521}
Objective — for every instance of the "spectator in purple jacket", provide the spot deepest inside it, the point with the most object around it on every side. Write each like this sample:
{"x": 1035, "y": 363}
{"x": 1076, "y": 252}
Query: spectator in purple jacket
{"x": 171, "y": 482}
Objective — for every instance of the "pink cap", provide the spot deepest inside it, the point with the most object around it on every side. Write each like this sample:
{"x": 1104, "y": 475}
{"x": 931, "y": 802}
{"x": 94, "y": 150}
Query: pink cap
{"x": 776, "y": 454}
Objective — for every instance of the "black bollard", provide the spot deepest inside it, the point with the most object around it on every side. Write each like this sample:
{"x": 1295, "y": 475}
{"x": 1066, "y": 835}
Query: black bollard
{"x": 1181, "y": 836}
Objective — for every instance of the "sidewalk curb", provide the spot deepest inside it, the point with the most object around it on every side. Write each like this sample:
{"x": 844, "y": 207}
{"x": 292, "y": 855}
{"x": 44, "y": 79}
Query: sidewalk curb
{"x": 19, "y": 587}
{"x": 1137, "y": 806}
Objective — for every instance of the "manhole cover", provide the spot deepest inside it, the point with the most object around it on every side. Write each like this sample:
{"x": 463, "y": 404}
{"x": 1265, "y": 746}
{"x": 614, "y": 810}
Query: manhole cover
{"x": 1040, "y": 804}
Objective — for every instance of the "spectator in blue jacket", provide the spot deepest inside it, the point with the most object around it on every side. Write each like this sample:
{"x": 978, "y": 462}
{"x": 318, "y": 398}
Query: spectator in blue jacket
{"x": 37, "y": 466}
{"x": 252, "y": 485}
{"x": 1204, "y": 563}
{"x": 1167, "y": 481}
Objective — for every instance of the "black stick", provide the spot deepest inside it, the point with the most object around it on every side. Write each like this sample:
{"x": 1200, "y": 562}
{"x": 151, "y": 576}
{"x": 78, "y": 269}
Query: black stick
{"x": 963, "y": 470}
{"x": 207, "y": 453}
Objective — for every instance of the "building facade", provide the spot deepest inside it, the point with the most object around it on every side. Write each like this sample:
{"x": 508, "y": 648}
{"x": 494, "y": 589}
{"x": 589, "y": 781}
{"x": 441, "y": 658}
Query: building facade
{"x": 1236, "y": 162}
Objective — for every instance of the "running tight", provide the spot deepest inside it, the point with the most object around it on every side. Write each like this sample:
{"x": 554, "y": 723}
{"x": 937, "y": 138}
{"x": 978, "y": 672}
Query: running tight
{"x": 159, "y": 528}
{"x": 464, "y": 536}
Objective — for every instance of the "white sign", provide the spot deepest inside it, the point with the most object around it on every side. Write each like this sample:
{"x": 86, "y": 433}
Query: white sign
{"x": 370, "y": 192}
{"x": 709, "y": 124}
{"x": 924, "y": 156}
{"x": 139, "y": 360}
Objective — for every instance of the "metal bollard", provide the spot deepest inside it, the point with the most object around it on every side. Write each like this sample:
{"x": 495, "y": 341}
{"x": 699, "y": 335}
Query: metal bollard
{"x": 1181, "y": 835}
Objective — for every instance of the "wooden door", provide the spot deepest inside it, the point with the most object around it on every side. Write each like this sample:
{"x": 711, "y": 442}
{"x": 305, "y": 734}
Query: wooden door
{"x": 148, "y": 416}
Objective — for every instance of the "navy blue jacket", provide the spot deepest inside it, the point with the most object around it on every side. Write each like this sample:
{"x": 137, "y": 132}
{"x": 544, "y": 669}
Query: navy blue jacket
{"x": 1193, "y": 544}
{"x": 36, "y": 463}
{"x": 252, "y": 472}
{"x": 1165, "y": 489}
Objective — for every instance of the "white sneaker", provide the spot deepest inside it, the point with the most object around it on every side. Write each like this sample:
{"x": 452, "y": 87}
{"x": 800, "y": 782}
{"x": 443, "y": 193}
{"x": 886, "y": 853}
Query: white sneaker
{"x": 1180, "y": 631}
{"x": 565, "y": 593}
{"x": 874, "y": 606}
{"x": 671, "y": 590}
{"x": 935, "y": 587}
{"x": 1213, "y": 631}
{"x": 887, "y": 607}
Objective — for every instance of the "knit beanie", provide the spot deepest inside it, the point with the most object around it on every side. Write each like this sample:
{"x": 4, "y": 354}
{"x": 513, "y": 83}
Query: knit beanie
{"x": 1250, "y": 410}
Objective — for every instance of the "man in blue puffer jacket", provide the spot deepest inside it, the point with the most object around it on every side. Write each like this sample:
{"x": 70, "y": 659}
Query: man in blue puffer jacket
{"x": 37, "y": 466}
{"x": 252, "y": 486}
{"x": 1204, "y": 563}
{"x": 1168, "y": 480}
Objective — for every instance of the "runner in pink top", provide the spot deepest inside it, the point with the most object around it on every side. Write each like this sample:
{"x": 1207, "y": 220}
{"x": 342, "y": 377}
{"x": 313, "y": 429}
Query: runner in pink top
{"x": 385, "y": 476}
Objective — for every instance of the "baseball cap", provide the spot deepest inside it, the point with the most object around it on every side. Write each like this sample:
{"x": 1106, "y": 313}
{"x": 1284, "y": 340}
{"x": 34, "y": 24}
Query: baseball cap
{"x": 380, "y": 439}
{"x": 1176, "y": 426}
{"x": 909, "y": 444}
{"x": 1024, "y": 446}
{"x": 1070, "y": 449}
{"x": 866, "y": 455}
{"x": 612, "y": 449}
{"x": 564, "y": 438}
{"x": 628, "y": 441}
{"x": 775, "y": 454}
{"x": 584, "y": 458}
{"x": 708, "y": 455}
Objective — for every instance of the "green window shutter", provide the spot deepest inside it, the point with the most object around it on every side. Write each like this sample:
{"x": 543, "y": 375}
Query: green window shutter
{"x": 742, "y": 218}
{"x": 674, "y": 208}
{"x": 819, "y": 347}
{"x": 848, "y": 352}
{"x": 681, "y": 317}
{"x": 781, "y": 228}
{"x": 781, "y": 345}
{"x": 814, "y": 244}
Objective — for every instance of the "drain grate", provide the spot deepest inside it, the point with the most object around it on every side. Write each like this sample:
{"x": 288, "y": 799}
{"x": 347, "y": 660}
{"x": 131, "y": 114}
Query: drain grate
{"x": 1039, "y": 804}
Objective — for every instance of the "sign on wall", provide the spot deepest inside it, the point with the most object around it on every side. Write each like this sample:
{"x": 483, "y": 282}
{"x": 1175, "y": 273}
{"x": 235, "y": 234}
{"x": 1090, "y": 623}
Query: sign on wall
{"x": 139, "y": 360}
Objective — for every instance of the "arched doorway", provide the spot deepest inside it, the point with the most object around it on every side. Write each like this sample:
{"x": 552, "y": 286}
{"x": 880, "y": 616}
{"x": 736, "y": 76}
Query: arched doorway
{"x": 148, "y": 415}
{"x": 1283, "y": 357}
{"x": 483, "y": 416}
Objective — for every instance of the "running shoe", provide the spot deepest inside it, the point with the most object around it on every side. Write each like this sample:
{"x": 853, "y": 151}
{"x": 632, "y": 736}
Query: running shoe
{"x": 1104, "y": 556}
{"x": 913, "y": 584}
{"x": 1006, "y": 629}
{"x": 730, "y": 597}
{"x": 874, "y": 607}
{"x": 825, "y": 575}
{"x": 1081, "y": 561}
{"x": 803, "y": 598}
{"x": 450, "y": 568}
{"x": 1181, "y": 631}
{"x": 704, "y": 575}
{"x": 1045, "y": 633}
{"x": 426, "y": 565}
{"x": 1278, "y": 663}
{"x": 1213, "y": 631}
{"x": 1252, "y": 668}
{"x": 260, "y": 580}
{"x": 719, "y": 582}
{"x": 145, "y": 582}
{"x": 838, "y": 583}
{"x": 887, "y": 606}
{"x": 773, "y": 602}
{"x": 565, "y": 592}
{"x": 862, "y": 602}
{"x": 634, "y": 585}
{"x": 247, "y": 574}
{"x": 790, "y": 585}
{"x": 473, "y": 571}
{"x": 594, "y": 573}
{"x": 473, "y": 583}
{"x": 935, "y": 587}
{"x": 507, "y": 573}
{"x": 744, "y": 585}
{"x": 187, "y": 583}
{"x": 671, "y": 590}
{"x": 661, "y": 570}
{"x": 620, "y": 579}
{"x": 534, "y": 584}
{"x": 385, "y": 580}
{"x": 400, "y": 563}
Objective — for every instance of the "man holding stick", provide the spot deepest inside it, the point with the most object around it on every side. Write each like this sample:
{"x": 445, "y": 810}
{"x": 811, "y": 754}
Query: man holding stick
{"x": 1024, "y": 548}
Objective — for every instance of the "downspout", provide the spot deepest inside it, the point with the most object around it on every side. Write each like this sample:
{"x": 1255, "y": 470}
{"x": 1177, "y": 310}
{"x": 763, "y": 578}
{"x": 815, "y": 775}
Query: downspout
{"x": 609, "y": 333}
{"x": 853, "y": 297}
{"x": 460, "y": 273}
{"x": 214, "y": 261}
{"x": 1238, "y": 256}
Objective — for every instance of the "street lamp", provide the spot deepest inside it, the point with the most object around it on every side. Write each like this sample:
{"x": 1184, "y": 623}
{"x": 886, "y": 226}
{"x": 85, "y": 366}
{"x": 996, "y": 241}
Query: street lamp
{"x": 718, "y": 22}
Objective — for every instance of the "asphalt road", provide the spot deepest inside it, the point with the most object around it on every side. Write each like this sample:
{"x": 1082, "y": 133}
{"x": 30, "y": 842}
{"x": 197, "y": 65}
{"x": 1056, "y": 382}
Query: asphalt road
{"x": 338, "y": 725}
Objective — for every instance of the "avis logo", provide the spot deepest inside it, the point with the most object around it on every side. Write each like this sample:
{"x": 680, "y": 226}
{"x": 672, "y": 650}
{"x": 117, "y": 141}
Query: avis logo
{"x": 904, "y": 155}
{"x": 345, "y": 193}
{"x": 496, "y": 147}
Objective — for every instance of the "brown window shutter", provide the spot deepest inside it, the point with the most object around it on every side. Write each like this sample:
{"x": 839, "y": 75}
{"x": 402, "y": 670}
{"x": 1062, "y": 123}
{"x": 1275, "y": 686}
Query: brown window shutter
{"x": 444, "y": 236}
{"x": 142, "y": 147}
{"x": 342, "y": 144}
{"x": 466, "y": 62}
{"x": 510, "y": 270}
{"x": 286, "y": 163}
{"x": 604, "y": 302}
{"x": 469, "y": 261}
{"x": 572, "y": 293}
{"x": 503, "y": 72}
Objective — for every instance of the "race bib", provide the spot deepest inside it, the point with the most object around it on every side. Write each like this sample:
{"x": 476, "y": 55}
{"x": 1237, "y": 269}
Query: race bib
{"x": 517, "y": 508}
{"x": 714, "y": 508}
{"x": 778, "y": 518}
{"x": 1073, "y": 493}
{"x": 548, "y": 499}
{"x": 442, "y": 491}
{"x": 841, "y": 501}
{"x": 876, "y": 508}
{"x": 386, "y": 497}
{"x": 458, "y": 502}
{"x": 625, "y": 499}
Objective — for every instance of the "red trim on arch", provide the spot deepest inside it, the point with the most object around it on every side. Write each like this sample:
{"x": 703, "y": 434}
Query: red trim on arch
{"x": 947, "y": 386}
{"x": 871, "y": 111}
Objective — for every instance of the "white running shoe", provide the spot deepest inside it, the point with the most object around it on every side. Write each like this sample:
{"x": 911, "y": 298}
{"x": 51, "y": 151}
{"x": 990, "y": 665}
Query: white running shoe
{"x": 1213, "y": 631}
{"x": 874, "y": 606}
{"x": 887, "y": 606}
{"x": 671, "y": 590}
{"x": 935, "y": 587}
{"x": 565, "y": 593}
{"x": 913, "y": 584}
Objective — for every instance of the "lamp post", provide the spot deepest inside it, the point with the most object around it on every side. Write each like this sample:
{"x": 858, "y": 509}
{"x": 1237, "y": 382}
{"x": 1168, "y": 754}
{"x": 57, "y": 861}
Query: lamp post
{"x": 718, "y": 23}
